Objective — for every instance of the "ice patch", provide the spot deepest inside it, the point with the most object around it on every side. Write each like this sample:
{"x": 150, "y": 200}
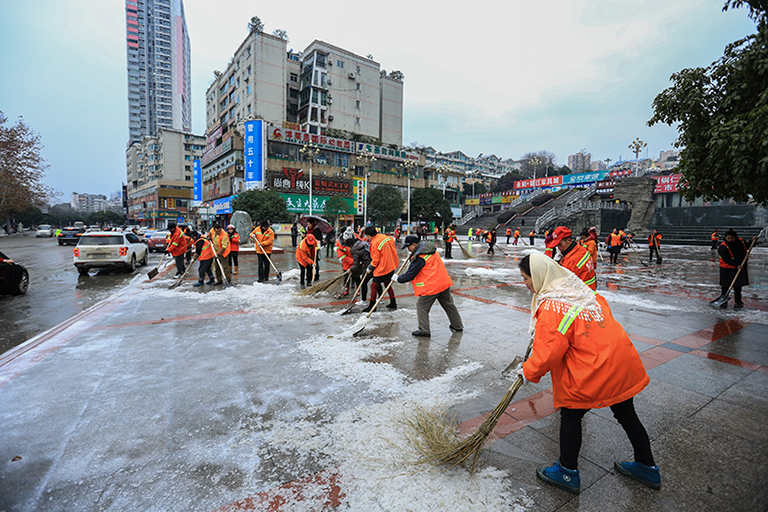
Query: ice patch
{"x": 632, "y": 300}
{"x": 501, "y": 274}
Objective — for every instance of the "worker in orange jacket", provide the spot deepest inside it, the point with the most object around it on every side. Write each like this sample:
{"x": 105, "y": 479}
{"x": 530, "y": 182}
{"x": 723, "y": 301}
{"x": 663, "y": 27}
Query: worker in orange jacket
{"x": 205, "y": 256}
{"x": 614, "y": 241}
{"x": 715, "y": 239}
{"x": 305, "y": 257}
{"x": 490, "y": 239}
{"x": 654, "y": 241}
{"x": 574, "y": 257}
{"x": 344, "y": 254}
{"x": 531, "y": 236}
{"x": 177, "y": 247}
{"x": 431, "y": 283}
{"x": 234, "y": 248}
{"x": 449, "y": 237}
{"x": 593, "y": 365}
{"x": 221, "y": 246}
{"x": 509, "y": 234}
{"x": 517, "y": 236}
{"x": 265, "y": 236}
{"x": 384, "y": 262}
{"x": 590, "y": 245}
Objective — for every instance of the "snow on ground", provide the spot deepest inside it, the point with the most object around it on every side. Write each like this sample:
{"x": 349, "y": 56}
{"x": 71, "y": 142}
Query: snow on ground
{"x": 500, "y": 274}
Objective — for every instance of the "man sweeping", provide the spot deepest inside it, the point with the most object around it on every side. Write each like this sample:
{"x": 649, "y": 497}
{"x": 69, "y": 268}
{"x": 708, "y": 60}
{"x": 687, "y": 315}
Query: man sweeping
{"x": 575, "y": 257}
{"x": 384, "y": 261}
{"x": 449, "y": 237}
{"x": 431, "y": 283}
{"x": 221, "y": 247}
{"x": 654, "y": 241}
{"x": 266, "y": 239}
{"x": 732, "y": 252}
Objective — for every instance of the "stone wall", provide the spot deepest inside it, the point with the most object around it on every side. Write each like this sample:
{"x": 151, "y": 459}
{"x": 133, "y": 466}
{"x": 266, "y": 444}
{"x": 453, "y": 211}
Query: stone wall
{"x": 639, "y": 193}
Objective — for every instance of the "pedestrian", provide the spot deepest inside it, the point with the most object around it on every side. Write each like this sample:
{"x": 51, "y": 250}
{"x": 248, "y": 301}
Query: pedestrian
{"x": 509, "y": 234}
{"x": 593, "y": 365}
{"x": 531, "y": 236}
{"x": 265, "y": 237}
{"x": 715, "y": 239}
{"x": 517, "y": 236}
{"x": 590, "y": 245}
{"x": 469, "y": 234}
{"x": 654, "y": 241}
{"x": 614, "y": 242}
{"x": 574, "y": 257}
{"x": 431, "y": 283}
{"x": 205, "y": 256}
{"x": 361, "y": 256}
{"x": 344, "y": 254}
{"x": 221, "y": 247}
{"x": 384, "y": 262}
{"x": 305, "y": 257}
{"x": 449, "y": 237}
{"x": 234, "y": 248}
{"x": 177, "y": 247}
{"x": 330, "y": 238}
{"x": 294, "y": 234}
{"x": 732, "y": 252}
{"x": 436, "y": 232}
{"x": 398, "y": 231}
{"x": 491, "y": 239}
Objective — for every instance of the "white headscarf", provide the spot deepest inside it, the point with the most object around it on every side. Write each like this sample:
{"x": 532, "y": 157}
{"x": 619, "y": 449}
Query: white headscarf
{"x": 562, "y": 287}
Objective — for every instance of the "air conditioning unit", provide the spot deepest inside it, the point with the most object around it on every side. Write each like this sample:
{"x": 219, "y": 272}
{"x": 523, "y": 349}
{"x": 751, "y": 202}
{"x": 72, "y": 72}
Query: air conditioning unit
{"x": 330, "y": 101}
{"x": 351, "y": 75}
{"x": 330, "y": 63}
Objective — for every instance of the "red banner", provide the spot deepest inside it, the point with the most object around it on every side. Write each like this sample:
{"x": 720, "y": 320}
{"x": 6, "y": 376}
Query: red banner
{"x": 666, "y": 184}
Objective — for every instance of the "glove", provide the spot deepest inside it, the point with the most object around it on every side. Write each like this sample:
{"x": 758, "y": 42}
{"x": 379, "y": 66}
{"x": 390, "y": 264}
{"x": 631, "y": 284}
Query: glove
{"x": 394, "y": 277}
{"x": 519, "y": 372}
{"x": 370, "y": 269}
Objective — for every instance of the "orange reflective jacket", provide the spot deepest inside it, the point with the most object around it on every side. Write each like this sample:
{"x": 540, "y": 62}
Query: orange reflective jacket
{"x": 650, "y": 240}
{"x": 234, "y": 242}
{"x": 176, "y": 244}
{"x": 207, "y": 252}
{"x": 383, "y": 255}
{"x": 344, "y": 254}
{"x": 265, "y": 238}
{"x": 509, "y": 231}
{"x": 517, "y": 233}
{"x": 579, "y": 261}
{"x": 433, "y": 278}
{"x": 714, "y": 237}
{"x": 593, "y": 363}
{"x": 591, "y": 247}
{"x": 305, "y": 252}
{"x": 613, "y": 240}
{"x": 221, "y": 244}
{"x": 451, "y": 235}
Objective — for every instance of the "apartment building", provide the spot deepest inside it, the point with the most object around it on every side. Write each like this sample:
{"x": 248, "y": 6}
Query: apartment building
{"x": 88, "y": 203}
{"x": 580, "y": 162}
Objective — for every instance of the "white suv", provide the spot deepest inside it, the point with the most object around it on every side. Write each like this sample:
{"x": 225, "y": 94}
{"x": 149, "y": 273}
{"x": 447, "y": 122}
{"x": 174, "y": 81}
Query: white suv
{"x": 105, "y": 249}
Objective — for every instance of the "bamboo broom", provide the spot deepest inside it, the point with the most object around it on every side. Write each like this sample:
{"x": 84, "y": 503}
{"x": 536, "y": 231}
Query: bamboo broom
{"x": 463, "y": 250}
{"x": 324, "y": 285}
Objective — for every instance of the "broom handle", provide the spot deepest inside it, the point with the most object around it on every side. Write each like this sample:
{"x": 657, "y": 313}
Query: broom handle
{"x": 357, "y": 291}
{"x": 386, "y": 289}
{"x": 742, "y": 263}
{"x": 265, "y": 254}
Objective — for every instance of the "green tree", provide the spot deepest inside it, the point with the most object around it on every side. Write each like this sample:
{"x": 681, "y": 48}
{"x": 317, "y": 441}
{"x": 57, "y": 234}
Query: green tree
{"x": 385, "y": 204}
{"x": 21, "y": 169}
{"x": 429, "y": 205}
{"x": 722, "y": 111}
{"x": 507, "y": 182}
{"x": 334, "y": 207}
{"x": 255, "y": 25}
{"x": 262, "y": 205}
{"x": 479, "y": 188}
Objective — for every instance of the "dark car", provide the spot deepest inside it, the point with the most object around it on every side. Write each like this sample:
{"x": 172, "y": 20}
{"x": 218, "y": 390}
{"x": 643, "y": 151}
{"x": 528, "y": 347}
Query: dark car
{"x": 14, "y": 278}
{"x": 70, "y": 235}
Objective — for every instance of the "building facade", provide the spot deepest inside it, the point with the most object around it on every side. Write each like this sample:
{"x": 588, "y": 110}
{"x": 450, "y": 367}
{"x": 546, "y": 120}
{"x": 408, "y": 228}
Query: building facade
{"x": 88, "y": 203}
{"x": 580, "y": 162}
{"x": 159, "y": 83}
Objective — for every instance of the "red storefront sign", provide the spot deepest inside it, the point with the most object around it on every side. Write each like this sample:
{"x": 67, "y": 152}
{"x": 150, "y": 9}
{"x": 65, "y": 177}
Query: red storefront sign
{"x": 666, "y": 184}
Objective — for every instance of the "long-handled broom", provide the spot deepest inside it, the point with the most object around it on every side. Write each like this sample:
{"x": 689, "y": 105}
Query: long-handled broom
{"x": 324, "y": 285}
{"x": 351, "y": 303}
{"x": 463, "y": 250}
{"x": 279, "y": 274}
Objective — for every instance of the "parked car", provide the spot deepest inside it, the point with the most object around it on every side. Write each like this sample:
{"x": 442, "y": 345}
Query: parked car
{"x": 44, "y": 230}
{"x": 108, "y": 249}
{"x": 94, "y": 227}
{"x": 14, "y": 278}
{"x": 157, "y": 242}
{"x": 70, "y": 235}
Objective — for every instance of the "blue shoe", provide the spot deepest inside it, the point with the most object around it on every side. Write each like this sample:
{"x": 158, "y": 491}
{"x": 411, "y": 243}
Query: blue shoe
{"x": 199, "y": 283}
{"x": 211, "y": 281}
{"x": 647, "y": 475}
{"x": 566, "y": 479}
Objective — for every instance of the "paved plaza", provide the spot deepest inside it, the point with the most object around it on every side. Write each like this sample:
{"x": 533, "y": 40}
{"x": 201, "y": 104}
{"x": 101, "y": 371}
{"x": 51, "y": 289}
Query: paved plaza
{"x": 256, "y": 398}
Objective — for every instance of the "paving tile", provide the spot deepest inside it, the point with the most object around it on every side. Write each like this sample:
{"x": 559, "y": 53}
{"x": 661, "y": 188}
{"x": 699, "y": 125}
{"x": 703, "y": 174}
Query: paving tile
{"x": 746, "y": 345}
{"x": 750, "y": 393}
{"x": 697, "y": 374}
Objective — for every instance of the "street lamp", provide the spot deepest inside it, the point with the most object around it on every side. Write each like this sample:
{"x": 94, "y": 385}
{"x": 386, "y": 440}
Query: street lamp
{"x": 367, "y": 159}
{"x": 535, "y": 162}
{"x": 408, "y": 166}
{"x": 310, "y": 152}
{"x": 443, "y": 170}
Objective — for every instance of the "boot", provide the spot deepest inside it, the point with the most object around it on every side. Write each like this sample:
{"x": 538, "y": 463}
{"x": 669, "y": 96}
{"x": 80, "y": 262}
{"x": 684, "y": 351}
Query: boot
{"x": 199, "y": 283}
{"x": 369, "y": 307}
{"x": 392, "y": 304}
{"x": 211, "y": 281}
{"x": 234, "y": 272}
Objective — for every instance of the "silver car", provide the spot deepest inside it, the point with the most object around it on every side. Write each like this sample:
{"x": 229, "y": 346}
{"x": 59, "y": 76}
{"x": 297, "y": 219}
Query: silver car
{"x": 109, "y": 249}
{"x": 44, "y": 230}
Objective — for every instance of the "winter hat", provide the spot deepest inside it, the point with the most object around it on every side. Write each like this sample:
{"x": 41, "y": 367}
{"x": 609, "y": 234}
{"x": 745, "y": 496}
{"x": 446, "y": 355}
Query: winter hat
{"x": 559, "y": 234}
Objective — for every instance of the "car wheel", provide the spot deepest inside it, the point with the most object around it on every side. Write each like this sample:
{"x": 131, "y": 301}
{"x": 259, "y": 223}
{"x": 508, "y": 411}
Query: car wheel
{"x": 144, "y": 259}
{"x": 82, "y": 270}
{"x": 23, "y": 283}
{"x": 61, "y": 243}
{"x": 132, "y": 266}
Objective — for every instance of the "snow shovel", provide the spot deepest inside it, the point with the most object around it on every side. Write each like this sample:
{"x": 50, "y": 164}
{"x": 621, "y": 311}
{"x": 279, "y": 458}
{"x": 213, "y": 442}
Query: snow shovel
{"x": 279, "y": 274}
{"x": 384, "y": 292}
{"x": 351, "y": 304}
{"x": 152, "y": 273}
{"x": 723, "y": 299}
{"x": 179, "y": 280}
{"x": 658, "y": 252}
{"x": 224, "y": 279}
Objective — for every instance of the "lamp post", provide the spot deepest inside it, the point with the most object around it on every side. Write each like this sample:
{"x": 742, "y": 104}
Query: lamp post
{"x": 367, "y": 158}
{"x": 535, "y": 162}
{"x": 408, "y": 166}
{"x": 310, "y": 152}
{"x": 443, "y": 170}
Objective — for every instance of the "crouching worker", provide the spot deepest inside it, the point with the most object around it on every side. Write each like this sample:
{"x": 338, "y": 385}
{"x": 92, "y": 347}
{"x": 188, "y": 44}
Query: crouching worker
{"x": 204, "y": 249}
{"x": 305, "y": 257}
{"x": 593, "y": 364}
{"x": 431, "y": 283}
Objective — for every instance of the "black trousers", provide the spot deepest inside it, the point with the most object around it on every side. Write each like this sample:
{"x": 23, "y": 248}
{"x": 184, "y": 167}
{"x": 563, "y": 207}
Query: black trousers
{"x": 204, "y": 267}
{"x": 263, "y": 267}
{"x": 531, "y": 239}
{"x": 293, "y": 240}
{"x": 179, "y": 264}
{"x": 232, "y": 259}
{"x": 652, "y": 249}
{"x": 448, "y": 250}
{"x": 736, "y": 292}
{"x": 624, "y": 412}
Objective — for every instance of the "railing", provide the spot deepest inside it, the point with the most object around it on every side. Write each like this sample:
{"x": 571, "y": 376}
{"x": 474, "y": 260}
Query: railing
{"x": 576, "y": 207}
{"x": 580, "y": 195}
{"x": 468, "y": 217}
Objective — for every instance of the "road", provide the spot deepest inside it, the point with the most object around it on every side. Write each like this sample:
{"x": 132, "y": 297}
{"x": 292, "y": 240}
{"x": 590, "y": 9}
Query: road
{"x": 56, "y": 290}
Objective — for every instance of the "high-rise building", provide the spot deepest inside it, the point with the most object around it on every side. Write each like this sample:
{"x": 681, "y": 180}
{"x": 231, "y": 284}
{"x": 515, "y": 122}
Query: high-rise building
{"x": 580, "y": 162}
{"x": 159, "y": 84}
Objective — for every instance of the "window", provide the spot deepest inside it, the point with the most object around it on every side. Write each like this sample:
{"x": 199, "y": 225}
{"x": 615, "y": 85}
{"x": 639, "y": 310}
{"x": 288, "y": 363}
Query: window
{"x": 294, "y": 77}
{"x": 186, "y": 157}
{"x": 249, "y": 88}
{"x": 357, "y": 120}
{"x": 314, "y": 96}
{"x": 320, "y": 60}
{"x": 358, "y": 69}
{"x": 323, "y": 98}
{"x": 340, "y": 63}
{"x": 357, "y": 86}
{"x": 357, "y": 103}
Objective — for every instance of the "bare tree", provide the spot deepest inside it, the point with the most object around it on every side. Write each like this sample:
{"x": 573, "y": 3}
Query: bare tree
{"x": 255, "y": 25}
{"x": 397, "y": 75}
{"x": 546, "y": 163}
{"x": 282, "y": 34}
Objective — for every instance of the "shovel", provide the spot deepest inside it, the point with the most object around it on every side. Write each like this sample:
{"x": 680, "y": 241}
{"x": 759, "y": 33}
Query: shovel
{"x": 178, "y": 282}
{"x": 224, "y": 279}
{"x": 658, "y": 253}
{"x": 351, "y": 304}
{"x": 152, "y": 273}
{"x": 723, "y": 299}
{"x": 279, "y": 274}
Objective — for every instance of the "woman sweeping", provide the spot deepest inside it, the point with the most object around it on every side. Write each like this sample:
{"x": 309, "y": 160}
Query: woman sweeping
{"x": 593, "y": 364}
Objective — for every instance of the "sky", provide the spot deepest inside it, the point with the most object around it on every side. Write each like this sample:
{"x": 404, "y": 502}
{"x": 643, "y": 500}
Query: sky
{"x": 492, "y": 77}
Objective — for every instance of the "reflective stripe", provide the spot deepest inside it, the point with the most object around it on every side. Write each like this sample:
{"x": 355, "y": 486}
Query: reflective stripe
{"x": 583, "y": 261}
{"x": 387, "y": 239}
{"x": 590, "y": 281}
{"x": 419, "y": 284}
{"x": 568, "y": 319}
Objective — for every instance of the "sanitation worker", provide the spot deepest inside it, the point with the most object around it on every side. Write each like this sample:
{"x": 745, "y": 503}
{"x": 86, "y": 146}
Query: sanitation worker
{"x": 305, "y": 257}
{"x": 384, "y": 262}
{"x": 654, "y": 241}
{"x": 590, "y": 244}
{"x": 509, "y": 234}
{"x": 593, "y": 365}
{"x": 431, "y": 283}
{"x": 732, "y": 252}
{"x": 221, "y": 246}
{"x": 715, "y": 239}
{"x": 266, "y": 239}
{"x": 490, "y": 238}
{"x": 205, "y": 256}
{"x": 234, "y": 248}
{"x": 517, "y": 236}
{"x": 361, "y": 256}
{"x": 449, "y": 237}
{"x": 614, "y": 241}
{"x": 531, "y": 236}
{"x": 574, "y": 257}
{"x": 177, "y": 247}
{"x": 344, "y": 254}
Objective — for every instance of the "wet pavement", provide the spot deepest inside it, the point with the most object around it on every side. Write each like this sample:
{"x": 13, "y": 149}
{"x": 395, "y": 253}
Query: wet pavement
{"x": 255, "y": 398}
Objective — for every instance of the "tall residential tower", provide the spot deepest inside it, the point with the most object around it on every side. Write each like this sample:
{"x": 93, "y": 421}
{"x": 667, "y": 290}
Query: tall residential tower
{"x": 159, "y": 90}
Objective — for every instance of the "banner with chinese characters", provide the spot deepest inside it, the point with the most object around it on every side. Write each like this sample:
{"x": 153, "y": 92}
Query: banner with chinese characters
{"x": 548, "y": 181}
{"x": 254, "y": 154}
{"x": 292, "y": 180}
{"x": 197, "y": 182}
{"x": 300, "y": 203}
{"x": 384, "y": 152}
{"x": 666, "y": 184}
{"x": 320, "y": 141}
{"x": 360, "y": 195}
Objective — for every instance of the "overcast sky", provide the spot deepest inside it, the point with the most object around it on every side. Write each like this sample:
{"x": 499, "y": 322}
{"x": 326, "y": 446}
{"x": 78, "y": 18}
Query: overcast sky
{"x": 504, "y": 77}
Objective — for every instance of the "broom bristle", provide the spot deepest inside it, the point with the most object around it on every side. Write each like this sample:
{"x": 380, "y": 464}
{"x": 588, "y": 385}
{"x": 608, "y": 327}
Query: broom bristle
{"x": 323, "y": 285}
{"x": 466, "y": 252}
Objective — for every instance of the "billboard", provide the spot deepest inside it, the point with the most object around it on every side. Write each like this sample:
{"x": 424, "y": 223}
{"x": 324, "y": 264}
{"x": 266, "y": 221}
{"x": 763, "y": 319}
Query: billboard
{"x": 254, "y": 154}
{"x": 197, "y": 182}
{"x": 666, "y": 184}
